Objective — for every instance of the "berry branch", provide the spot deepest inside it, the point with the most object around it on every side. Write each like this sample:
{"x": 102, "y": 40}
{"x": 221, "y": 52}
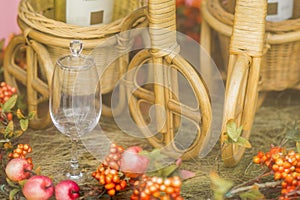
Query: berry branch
{"x": 234, "y": 192}
{"x": 280, "y": 164}
{"x": 123, "y": 169}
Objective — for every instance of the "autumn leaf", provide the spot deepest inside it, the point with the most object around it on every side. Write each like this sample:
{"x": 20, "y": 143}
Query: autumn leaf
{"x": 185, "y": 174}
{"x": 20, "y": 115}
{"x": 37, "y": 171}
{"x": 18, "y": 133}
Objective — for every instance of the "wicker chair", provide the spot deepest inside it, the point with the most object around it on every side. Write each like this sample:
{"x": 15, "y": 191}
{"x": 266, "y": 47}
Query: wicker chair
{"x": 46, "y": 39}
{"x": 261, "y": 56}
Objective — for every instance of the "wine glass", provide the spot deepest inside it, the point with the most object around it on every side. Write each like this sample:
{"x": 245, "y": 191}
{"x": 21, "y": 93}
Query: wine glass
{"x": 75, "y": 100}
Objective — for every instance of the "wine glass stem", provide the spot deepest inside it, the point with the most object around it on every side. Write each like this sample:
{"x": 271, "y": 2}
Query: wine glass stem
{"x": 74, "y": 158}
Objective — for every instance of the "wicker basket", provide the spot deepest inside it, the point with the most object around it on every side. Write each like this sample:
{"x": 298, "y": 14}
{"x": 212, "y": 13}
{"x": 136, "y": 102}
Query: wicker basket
{"x": 280, "y": 68}
{"x": 35, "y": 18}
{"x": 46, "y": 39}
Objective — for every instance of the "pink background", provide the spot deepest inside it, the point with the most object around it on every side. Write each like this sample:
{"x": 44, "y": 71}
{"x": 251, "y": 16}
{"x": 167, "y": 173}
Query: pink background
{"x": 8, "y": 18}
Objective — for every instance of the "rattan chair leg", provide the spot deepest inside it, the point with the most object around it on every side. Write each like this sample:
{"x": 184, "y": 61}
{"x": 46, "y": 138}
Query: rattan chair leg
{"x": 236, "y": 87}
{"x": 36, "y": 87}
{"x": 39, "y": 72}
{"x": 246, "y": 51}
{"x": 12, "y": 72}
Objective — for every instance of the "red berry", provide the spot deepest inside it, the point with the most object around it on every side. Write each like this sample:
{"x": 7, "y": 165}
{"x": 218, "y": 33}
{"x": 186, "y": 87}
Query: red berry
{"x": 9, "y": 116}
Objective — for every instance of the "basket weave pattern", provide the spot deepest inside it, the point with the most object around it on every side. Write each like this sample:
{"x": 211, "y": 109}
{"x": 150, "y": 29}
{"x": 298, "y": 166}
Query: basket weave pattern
{"x": 36, "y": 20}
{"x": 279, "y": 68}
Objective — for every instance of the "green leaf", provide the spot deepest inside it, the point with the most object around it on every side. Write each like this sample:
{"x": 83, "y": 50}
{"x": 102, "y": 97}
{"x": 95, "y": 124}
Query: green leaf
{"x": 24, "y": 124}
{"x": 9, "y": 129}
{"x": 18, "y": 133}
{"x": 31, "y": 115}
{"x": 12, "y": 193}
{"x": 22, "y": 182}
{"x": 11, "y": 183}
{"x": 10, "y": 103}
{"x": 159, "y": 164}
{"x": 243, "y": 142}
{"x": 233, "y": 132}
{"x": 252, "y": 194}
{"x": 165, "y": 172}
{"x": 219, "y": 185}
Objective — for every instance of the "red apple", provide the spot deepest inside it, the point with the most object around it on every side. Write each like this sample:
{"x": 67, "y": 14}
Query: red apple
{"x": 67, "y": 190}
{"x": 132, "y": 163}
{"x": 38, "y": 187}
{"x": 17, "y": 169}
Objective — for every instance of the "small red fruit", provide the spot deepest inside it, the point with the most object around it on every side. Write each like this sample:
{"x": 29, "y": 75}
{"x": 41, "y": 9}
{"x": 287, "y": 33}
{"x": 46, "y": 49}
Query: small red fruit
{"x": 18, "y": 169}
{"x": 67, "y": 190}
{"x": 38, "y": 188}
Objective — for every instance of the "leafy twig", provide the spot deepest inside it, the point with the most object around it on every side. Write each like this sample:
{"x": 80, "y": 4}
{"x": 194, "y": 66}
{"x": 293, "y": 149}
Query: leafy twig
{"x": 254, "y": 180}
{"x": 236, "y": 191}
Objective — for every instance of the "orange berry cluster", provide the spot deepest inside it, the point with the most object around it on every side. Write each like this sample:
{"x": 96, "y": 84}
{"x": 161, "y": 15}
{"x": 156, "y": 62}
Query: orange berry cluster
{"x": 21, "y": 151}
{"x": 150, "y": 188}
{"x": 112, "y": 179}
{"x": 286, "y": 167}
{"x": 6, "y": 91}
{"x": 267, "y": 158}
{"x": 108, "y": 173}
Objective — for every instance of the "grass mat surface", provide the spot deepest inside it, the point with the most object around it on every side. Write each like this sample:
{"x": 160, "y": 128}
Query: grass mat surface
{"x": 272, "y": 119}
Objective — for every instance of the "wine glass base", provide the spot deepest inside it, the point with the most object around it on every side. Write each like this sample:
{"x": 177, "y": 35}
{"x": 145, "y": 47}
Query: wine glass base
{"x": 75, "y": 177}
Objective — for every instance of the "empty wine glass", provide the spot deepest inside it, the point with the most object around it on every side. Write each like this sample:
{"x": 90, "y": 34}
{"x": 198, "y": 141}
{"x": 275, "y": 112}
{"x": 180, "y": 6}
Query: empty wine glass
{"x": 75, "y": 99}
